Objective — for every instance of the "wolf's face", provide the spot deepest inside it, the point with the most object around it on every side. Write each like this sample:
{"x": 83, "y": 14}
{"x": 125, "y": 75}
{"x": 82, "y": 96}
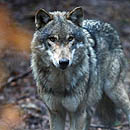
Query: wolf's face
{"x": 59, "y": 38}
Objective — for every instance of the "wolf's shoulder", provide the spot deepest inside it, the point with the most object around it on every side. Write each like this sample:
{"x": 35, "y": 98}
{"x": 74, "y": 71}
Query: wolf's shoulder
{"x": 103, "y": 32}
{"x": 97, "y": 26}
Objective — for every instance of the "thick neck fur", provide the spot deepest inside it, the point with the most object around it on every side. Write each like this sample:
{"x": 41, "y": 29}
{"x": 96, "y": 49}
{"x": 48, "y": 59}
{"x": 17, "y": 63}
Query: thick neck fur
{"x": 54, "y": 80}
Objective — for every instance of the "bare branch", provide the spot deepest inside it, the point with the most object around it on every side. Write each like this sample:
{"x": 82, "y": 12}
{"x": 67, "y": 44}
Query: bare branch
{"x": 12, "y": 79}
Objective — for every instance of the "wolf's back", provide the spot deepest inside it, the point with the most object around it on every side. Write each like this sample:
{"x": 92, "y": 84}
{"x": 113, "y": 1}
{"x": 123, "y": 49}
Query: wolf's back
{"x": 107, "y": 48}
{"x": 107, "y": 41}
{"x": 105, "y": 36}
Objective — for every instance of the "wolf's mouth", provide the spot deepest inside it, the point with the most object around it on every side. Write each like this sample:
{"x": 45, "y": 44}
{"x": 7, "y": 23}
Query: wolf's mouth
{"x": 63, "y": 63}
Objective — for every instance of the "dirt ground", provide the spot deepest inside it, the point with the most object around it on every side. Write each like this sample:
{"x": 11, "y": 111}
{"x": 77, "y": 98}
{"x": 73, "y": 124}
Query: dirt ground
{"x": 20, "y": 106}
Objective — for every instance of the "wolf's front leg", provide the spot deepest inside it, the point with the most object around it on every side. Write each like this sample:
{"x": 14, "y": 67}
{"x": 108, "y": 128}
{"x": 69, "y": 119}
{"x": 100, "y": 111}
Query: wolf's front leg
{"x": 57, "y": 120}
{"x": 79, "y": 121}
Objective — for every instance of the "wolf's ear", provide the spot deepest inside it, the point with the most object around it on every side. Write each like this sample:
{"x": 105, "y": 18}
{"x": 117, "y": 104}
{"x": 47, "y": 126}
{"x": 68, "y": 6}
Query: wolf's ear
{"x": 42, "y": 18}
{"x": 76, "y": 16}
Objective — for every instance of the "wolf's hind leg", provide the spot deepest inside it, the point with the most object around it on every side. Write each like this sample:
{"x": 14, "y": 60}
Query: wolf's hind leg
{"x": 114, "y": 88}
{"x": 120, "y": 98}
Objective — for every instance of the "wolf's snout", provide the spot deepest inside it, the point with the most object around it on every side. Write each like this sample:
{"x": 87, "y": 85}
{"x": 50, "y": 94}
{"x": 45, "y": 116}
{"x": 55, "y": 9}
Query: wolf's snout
{"x": 63, "y": 63}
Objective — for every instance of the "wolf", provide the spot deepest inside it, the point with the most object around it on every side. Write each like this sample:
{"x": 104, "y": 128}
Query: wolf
{"x": 78, "y": 65}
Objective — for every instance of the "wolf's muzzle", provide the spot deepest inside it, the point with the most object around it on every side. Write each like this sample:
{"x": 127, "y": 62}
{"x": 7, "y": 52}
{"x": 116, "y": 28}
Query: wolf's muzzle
{"x": 63, "y": 63}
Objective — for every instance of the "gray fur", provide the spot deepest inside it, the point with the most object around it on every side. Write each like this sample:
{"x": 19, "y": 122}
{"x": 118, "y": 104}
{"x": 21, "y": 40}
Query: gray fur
{"x": 97, "y": 67}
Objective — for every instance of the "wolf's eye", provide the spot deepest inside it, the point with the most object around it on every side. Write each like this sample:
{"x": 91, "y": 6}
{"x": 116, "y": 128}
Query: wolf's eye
{"x": 53, "y": 39}
{"x": 70, "y": 38}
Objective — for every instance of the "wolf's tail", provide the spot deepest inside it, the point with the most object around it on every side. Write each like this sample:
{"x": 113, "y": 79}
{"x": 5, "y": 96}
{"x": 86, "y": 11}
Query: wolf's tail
{"x": 107, "y": 112}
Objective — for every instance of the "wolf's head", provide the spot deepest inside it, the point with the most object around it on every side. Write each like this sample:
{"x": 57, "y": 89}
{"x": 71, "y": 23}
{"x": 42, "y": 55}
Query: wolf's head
{"x": 59, "y": 38}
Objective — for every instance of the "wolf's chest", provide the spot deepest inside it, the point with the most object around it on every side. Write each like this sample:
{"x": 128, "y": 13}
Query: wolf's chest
{"x": 61, "y": 81}
{"x": 55, "y": 103}
{"x": 58, "y": 82}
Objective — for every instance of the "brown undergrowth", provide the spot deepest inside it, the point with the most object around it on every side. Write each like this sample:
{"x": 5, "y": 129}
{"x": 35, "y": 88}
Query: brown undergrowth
{"x": 14, "y": 44}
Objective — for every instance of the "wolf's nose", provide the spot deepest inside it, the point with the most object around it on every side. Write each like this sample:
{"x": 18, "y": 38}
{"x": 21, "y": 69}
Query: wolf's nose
{"x": 63, "y": 63}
